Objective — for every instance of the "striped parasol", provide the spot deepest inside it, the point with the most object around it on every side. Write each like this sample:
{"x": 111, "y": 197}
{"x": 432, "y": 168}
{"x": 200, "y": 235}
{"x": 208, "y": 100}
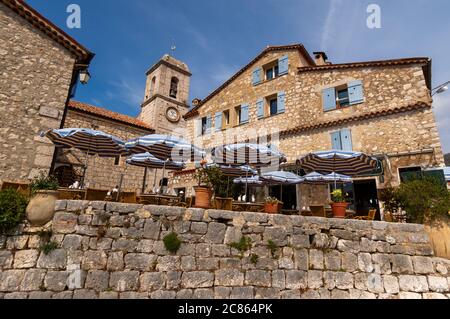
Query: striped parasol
{"x": 341, "y": 162}
{"x": 250, "y": 154}
{"x": 234, "y": 171}
{"x": 282, "y": 177}
{"x": 165, "y": 147}
{"x": 90, "y": 141}
{"x": 253, "y": 181}
{"x": 317, "y": 178}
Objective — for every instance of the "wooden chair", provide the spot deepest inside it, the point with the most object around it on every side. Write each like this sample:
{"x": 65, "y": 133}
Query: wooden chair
{"x": 318, "y": 211}
{"x": 96, "y": 194}
{"x": 388, "y": 217}
{"x": 22, "y": 188}
{"x": 370, "y": 216}
{"x": 128, "y": 197}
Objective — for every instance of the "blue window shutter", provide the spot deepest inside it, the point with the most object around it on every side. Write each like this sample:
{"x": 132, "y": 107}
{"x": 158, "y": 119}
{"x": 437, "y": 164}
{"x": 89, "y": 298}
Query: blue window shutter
{"x": 218, "y": 121}
{"x": 283, "y": 65}
{"x": 244, "y": 113}
{"x": 257, "y": 76}
{"x": 281, "y": 102}
{"x": 198, "y": 127}
{"x": 208, "y": 124}
{"x": 260, "y": 108}
{"x": 346, "y": 140}
{"x": 329, "y": 99}
{"x": 355, "y": 92}
{"x": 336, "y": 143}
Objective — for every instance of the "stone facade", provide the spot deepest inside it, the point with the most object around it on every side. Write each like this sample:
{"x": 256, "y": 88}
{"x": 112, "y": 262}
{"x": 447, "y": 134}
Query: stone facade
{"x": 36, "y": 77}
{"x": 104, "y": 173}
{"x": 110, "y": 250}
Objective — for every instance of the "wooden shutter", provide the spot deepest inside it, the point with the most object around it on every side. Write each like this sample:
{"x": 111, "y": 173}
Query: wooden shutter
{"x": 198, "y": 127}
{"x": 218, "y": 121}
{"x": 283, "y": 65}
{"x": 257, "y": 76}
{"x": 244, "y": 113}
{"x": 329, "y": 99}
{"x": 346, "y": 140}
{"x": 355, "y": 92}
{"x": 336, "y": 143}
{"x": 208, "y": 124}
{"x": 281, "y": 102}
{"x": 260, "y": 108}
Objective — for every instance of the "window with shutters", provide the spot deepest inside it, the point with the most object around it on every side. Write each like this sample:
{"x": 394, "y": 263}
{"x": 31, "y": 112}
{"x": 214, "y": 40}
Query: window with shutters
{"x": 226, "y": 119}
{"x": 342, "y": 140}
{"x": 271, "y": 70}
{"x": 204, "y": 125}
{"x": 238, "y": 114}
{"x": 342, "y": 96}
{"x": 241, "y": 114}
{"x": 270, "y": 105}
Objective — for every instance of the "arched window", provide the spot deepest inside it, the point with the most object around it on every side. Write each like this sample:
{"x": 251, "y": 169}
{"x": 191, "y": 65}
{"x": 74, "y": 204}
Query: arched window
{"x": 152, "y": 86}
{"x": 173, "y": 87}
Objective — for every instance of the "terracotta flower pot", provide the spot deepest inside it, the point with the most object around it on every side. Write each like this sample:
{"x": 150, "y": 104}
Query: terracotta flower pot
{"x": 272, "y": 208}
{"x": 203, "y": 197}
{"x": 41, "y": 208}
{"x": 339, "y": 209}
{"x": 223, "y": 203}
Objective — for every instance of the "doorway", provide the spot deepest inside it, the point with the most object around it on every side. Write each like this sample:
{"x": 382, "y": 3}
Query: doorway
{"x": 289, "y": 195}
{"x": 366, "y": 197}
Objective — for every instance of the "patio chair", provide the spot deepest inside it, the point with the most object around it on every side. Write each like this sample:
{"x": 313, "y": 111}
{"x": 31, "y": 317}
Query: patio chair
{"x": 318, "y": 211}
{"x": 96, "y": 194}
{"x": 388, "y": 217}
{"x": 370, "y": 216}
{"x": 128, "y": 197}
{"x": 22, "y": 188}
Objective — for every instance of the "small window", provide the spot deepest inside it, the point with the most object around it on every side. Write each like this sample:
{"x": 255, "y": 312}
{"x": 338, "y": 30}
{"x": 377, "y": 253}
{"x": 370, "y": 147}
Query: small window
{"x": 226, "y": 118}
{"x": 204, "y": 125}
{"x": 273, "y": 106}
{"x": 408, "y": 173}
{"x": 342, "y": 97}
{"x": 238, "y": 112}
{"x": 272, "y": 72}
{"x": 117, "y": 161}
{"x": 174, "y": 88}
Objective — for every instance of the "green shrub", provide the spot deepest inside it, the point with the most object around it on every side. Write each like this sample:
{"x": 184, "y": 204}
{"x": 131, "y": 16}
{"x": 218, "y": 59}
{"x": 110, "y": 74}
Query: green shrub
{"x": 424, "y": 200}
{"x": 47, "y": 248}
{"x": 172, "y": 242}
{"x": 244, "y": 244}
{"x": 215, "y": 179}
{"x": 44, "y": 182}
{"x": 390, "y": 198}
{"x": 12, "y": 209}
{"x": 254, "y": 259}
{"x": 272, "y": 247}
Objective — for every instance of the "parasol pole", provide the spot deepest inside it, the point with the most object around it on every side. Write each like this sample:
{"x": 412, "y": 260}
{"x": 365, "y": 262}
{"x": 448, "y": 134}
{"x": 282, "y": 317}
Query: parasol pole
{"x": 154, "y": 181}
{"x": 164, "y": 172}
{"x": 145, "y": 180}
{"x": 246, "y": 185}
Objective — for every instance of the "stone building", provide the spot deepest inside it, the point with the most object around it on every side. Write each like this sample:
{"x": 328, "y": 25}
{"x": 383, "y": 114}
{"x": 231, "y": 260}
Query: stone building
{"x": 39, "y": 66}
{"x": 303, "y": 104}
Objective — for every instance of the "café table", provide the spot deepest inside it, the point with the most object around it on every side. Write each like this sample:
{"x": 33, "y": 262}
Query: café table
{"x": 159, "y": 199}
{"x": 248, "y": 207}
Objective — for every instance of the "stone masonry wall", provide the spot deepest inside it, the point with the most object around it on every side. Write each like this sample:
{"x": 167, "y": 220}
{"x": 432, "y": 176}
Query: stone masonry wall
{"x": 110, "y": 250}
{"x": 34, "y": 85}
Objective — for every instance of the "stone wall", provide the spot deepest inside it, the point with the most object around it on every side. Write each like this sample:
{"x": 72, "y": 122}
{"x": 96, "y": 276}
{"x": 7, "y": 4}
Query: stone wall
{"x": 36, "y": 75}
{"x": 110, "y": 250}
{"x": 102, "y": 173}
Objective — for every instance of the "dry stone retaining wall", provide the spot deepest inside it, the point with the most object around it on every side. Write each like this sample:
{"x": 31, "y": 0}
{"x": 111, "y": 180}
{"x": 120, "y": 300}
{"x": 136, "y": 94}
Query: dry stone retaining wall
{"x": 110, "y": 250}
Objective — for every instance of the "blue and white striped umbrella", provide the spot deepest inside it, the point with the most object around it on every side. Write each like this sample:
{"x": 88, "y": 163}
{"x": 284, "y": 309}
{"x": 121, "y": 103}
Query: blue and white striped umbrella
{"x": 341, "y": 162}
{"x": 165, "y": 147}
{"x": 234, "y": 171}
{"x": 245, "y": 153}
{"x": 150, "y": 161}
{"x": 253, "y": 181}
{"x": 282, "y": 178}
{"x": 317, "y": 178}
{"x": 90, "y": 141}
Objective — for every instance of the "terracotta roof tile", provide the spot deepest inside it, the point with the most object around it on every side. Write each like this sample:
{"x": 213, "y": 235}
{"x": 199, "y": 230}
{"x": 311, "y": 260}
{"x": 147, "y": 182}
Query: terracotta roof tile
{"x": 24, "y": 10}
{"x": 299, "y": 47}
{"x": 394, "y": 62}
{"x": 104, "y": 113}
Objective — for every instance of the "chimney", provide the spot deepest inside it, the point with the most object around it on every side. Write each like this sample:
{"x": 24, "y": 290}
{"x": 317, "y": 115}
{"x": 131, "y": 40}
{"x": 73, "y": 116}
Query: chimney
{"x": 196, "y": 102}
{"x": 321, "y": 58}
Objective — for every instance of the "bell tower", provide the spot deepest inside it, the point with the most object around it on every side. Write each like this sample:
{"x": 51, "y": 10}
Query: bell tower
{"x": 166, "y": 95}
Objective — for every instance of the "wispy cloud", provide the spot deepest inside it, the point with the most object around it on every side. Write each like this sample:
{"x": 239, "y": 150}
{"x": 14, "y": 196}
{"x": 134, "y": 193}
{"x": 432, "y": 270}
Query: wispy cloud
{"x": 127, "y": 91}
{"x": 329, "y": 25}
{"x": 442, "y": 112}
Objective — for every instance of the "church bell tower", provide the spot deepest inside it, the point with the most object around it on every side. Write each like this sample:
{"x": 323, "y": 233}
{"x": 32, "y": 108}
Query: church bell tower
{"x": 166, "y": 95}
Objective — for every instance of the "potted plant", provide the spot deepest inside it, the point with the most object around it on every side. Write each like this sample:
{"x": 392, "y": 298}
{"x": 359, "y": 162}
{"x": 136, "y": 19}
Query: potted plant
{"x": 339, "y": 205}
{"x": 203, "y": 191}
{"x": 41, "y": 207}
{"x": 273, "y": 206}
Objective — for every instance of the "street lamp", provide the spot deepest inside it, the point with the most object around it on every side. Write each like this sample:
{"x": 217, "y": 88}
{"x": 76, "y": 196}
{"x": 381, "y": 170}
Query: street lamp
{"x": 85, "y": 76}
{"x": 440, "y": 89}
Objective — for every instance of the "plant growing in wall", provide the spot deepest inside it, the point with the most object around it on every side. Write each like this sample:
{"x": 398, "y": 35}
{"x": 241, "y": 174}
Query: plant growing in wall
{"x": 172, "y": 242}
{"x": 41, "y": 208}
{"x": 243, "y": 245}
{"x": 272, "y": 248}
{"x": 12, "y": 209}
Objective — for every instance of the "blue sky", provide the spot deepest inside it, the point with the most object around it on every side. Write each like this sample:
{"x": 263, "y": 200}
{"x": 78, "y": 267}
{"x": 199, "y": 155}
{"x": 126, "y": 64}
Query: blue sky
{"x": 216, "y": 38}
